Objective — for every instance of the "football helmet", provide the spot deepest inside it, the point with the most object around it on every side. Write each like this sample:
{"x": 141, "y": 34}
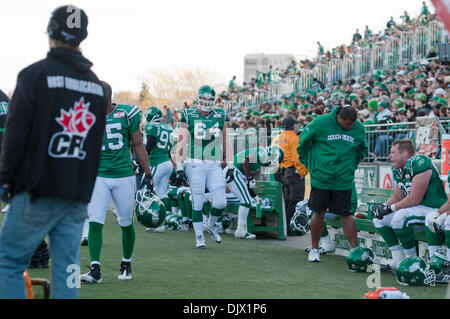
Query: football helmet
{"x": 226, "y": 220}
{"x": 173, "y": 222}
{"x": 437, "y": 260}
{"x": 153, "y": 114}
{"x": 300, "y": 222}
{"x": 206, "y": 98}
{"x": 149, "y": 209}
{"x": 414, "y": 271}
{"x": 274, "y": 155}
{"x": 359, "y": 258}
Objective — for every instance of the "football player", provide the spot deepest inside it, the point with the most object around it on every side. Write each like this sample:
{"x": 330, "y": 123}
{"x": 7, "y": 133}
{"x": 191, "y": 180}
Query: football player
{"x": 418, "y": 192}
{"x": 240, "y": 180}
{"x": 159, "y": 143}
{"x": 203, "y": 146}
{"x": 115, "y": 178}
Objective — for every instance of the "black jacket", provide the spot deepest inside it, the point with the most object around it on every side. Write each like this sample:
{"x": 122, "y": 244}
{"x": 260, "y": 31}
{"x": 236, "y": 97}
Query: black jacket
{"x": 54, "y": 128}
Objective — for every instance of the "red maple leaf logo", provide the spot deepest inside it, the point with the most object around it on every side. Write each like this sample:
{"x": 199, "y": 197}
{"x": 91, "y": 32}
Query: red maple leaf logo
{"x": 77, "y": 120}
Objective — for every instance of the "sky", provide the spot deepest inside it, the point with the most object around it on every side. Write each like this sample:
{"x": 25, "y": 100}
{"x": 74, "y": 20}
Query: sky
{"x": 126, "y": 39}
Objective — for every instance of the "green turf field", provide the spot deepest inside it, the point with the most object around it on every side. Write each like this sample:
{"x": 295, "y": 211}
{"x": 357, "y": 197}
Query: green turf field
{"x": 168, "y": 266}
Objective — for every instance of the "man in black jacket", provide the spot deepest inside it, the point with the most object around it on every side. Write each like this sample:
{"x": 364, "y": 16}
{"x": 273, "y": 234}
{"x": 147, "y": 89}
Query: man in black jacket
{"x": 50, "y": 156}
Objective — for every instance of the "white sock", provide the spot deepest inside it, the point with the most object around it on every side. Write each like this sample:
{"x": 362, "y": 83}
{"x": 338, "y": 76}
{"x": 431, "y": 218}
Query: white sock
{"x": 448, "y": 254}
{"x": 205, "y": 218}
{"x": 198, "y": 228}
{"x": 242, "y": 227}
{"x": 85, "y": 229}
{"x": 397, "y": 256}
{"x": 432, "y": 250}
{"x": 126, "y": 260}
{"x": 175, "y": 210}
{"x": 411, "y": 252}
{"x": 243, "y": 215}
{"x": 212, "y": 220}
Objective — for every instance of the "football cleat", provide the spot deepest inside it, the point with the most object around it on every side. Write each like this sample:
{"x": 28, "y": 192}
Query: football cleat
{"x": 314, "y": 255}
{"x": 443, "y": 277}
{"x": 84, "y": 241}
{"x": 125, "y": 271}
{"x": 244, "y": 234}
{"x": 201, "y": 242}
{"x": 213, "y": 232}
{"x": 93, "y": 276}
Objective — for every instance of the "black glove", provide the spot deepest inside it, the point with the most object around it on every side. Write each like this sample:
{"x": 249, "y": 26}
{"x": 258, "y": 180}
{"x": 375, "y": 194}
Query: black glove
{"x": 135, "y": 167}
{"x": 229, "y": 176}
{"x": 147, "y": 181}
{"x": 251, "y": 183}
{"x": 378, "y": 211}
{"x": 181, "y": 178}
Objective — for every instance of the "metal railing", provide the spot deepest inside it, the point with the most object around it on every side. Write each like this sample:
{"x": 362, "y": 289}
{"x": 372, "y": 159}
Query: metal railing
{"x": 404, "y": 48}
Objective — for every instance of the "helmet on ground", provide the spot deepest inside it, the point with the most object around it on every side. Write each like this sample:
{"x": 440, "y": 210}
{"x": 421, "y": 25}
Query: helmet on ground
{"x": 149, "y": 209}
{"x": 414, "y": 271}
{"x": 153, "y": 114}
{"x": 300, "y": 222}
{"x": 173, "y": 222}
{"x": 226, "y": 220}
{"x": 206, "y": 98}
{"x": 359, "y": 258}
{"x": 437, "y": 260}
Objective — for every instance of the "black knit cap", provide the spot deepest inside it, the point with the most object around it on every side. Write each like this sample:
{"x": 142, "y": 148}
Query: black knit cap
{"x": 288, "y": 123}
{"x": 68, "y": 24}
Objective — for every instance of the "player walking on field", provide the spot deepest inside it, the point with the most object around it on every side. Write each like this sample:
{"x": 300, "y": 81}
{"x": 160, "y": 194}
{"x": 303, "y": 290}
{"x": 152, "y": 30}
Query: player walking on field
{"x": 159, "y": 144}
{"x": 203, "y": 146}
{"x": 115, "y": 178}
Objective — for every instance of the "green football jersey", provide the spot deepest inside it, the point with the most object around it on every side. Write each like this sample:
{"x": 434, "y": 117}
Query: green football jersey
{"x": 258, "y": 155}
{"x": 435, "y": 195}
{"x": 163, "y": 134}
{"x": 205, "y": 134}
{"x": 115, "y": 159}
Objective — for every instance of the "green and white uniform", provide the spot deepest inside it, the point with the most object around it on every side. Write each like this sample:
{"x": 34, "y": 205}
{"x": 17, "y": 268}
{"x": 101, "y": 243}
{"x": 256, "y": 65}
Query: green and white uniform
{"x": 115, "y": 175}
{"x": 404, "y": 221}
{"x": 115, "y": 179}
{"x": 203, "y": 158}
{"x": 238, "y": 184}
{"x": 159, "y": 157}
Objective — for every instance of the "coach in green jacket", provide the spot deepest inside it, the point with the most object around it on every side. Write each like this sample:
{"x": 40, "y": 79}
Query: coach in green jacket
{"x": 331, "y": 147}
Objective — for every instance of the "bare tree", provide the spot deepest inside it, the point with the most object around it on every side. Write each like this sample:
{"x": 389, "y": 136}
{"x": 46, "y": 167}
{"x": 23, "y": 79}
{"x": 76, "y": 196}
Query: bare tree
{"x": 176, "y": 85}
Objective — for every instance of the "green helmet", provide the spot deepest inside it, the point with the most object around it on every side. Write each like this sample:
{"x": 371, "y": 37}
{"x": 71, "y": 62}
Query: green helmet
{"x": 398, "y": 102}
{"x": 300, "y": 222}
{"x": 206, "y": 98}
{"x": 359, "y": 258}
{"x": 373, "y": 105}
{"x": 173, "y": 222}
{"x": 226, "y": 220}
{"x": 153, "y": 114}
{"x": 413, "y": 271}
{"x": 437, "y": 260}
{"x": 421, "y": 97}
{"x": 150, "y": 210}
{"x": 274, "y": 154}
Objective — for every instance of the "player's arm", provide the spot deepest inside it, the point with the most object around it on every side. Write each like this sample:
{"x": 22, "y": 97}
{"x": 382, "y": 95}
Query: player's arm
{"x": 141, "y": 152}
{"x": 419, "y": 185}
{"x": 396, "y": 196}
{"x": 182, "y": 144}
{"x": 227, "y": 146}
{"x": 151, "y": 143}
{"x": 246, "y": 167}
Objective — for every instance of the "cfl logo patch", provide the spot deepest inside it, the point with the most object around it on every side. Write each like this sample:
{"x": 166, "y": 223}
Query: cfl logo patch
{"x": 76, "y": 124}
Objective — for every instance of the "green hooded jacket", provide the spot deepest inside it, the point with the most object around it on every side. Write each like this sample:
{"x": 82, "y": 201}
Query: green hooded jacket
{"x": 331, "y": 153}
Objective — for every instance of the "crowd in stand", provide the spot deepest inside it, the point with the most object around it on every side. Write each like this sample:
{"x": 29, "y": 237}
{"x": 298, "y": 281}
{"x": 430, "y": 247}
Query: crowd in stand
{"x": 395, "y": 95}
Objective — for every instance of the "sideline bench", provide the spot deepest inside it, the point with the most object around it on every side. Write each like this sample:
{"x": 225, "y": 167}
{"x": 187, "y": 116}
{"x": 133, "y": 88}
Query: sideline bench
{"x": 266, "y": 220}
{"x": 368, "y": 198}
